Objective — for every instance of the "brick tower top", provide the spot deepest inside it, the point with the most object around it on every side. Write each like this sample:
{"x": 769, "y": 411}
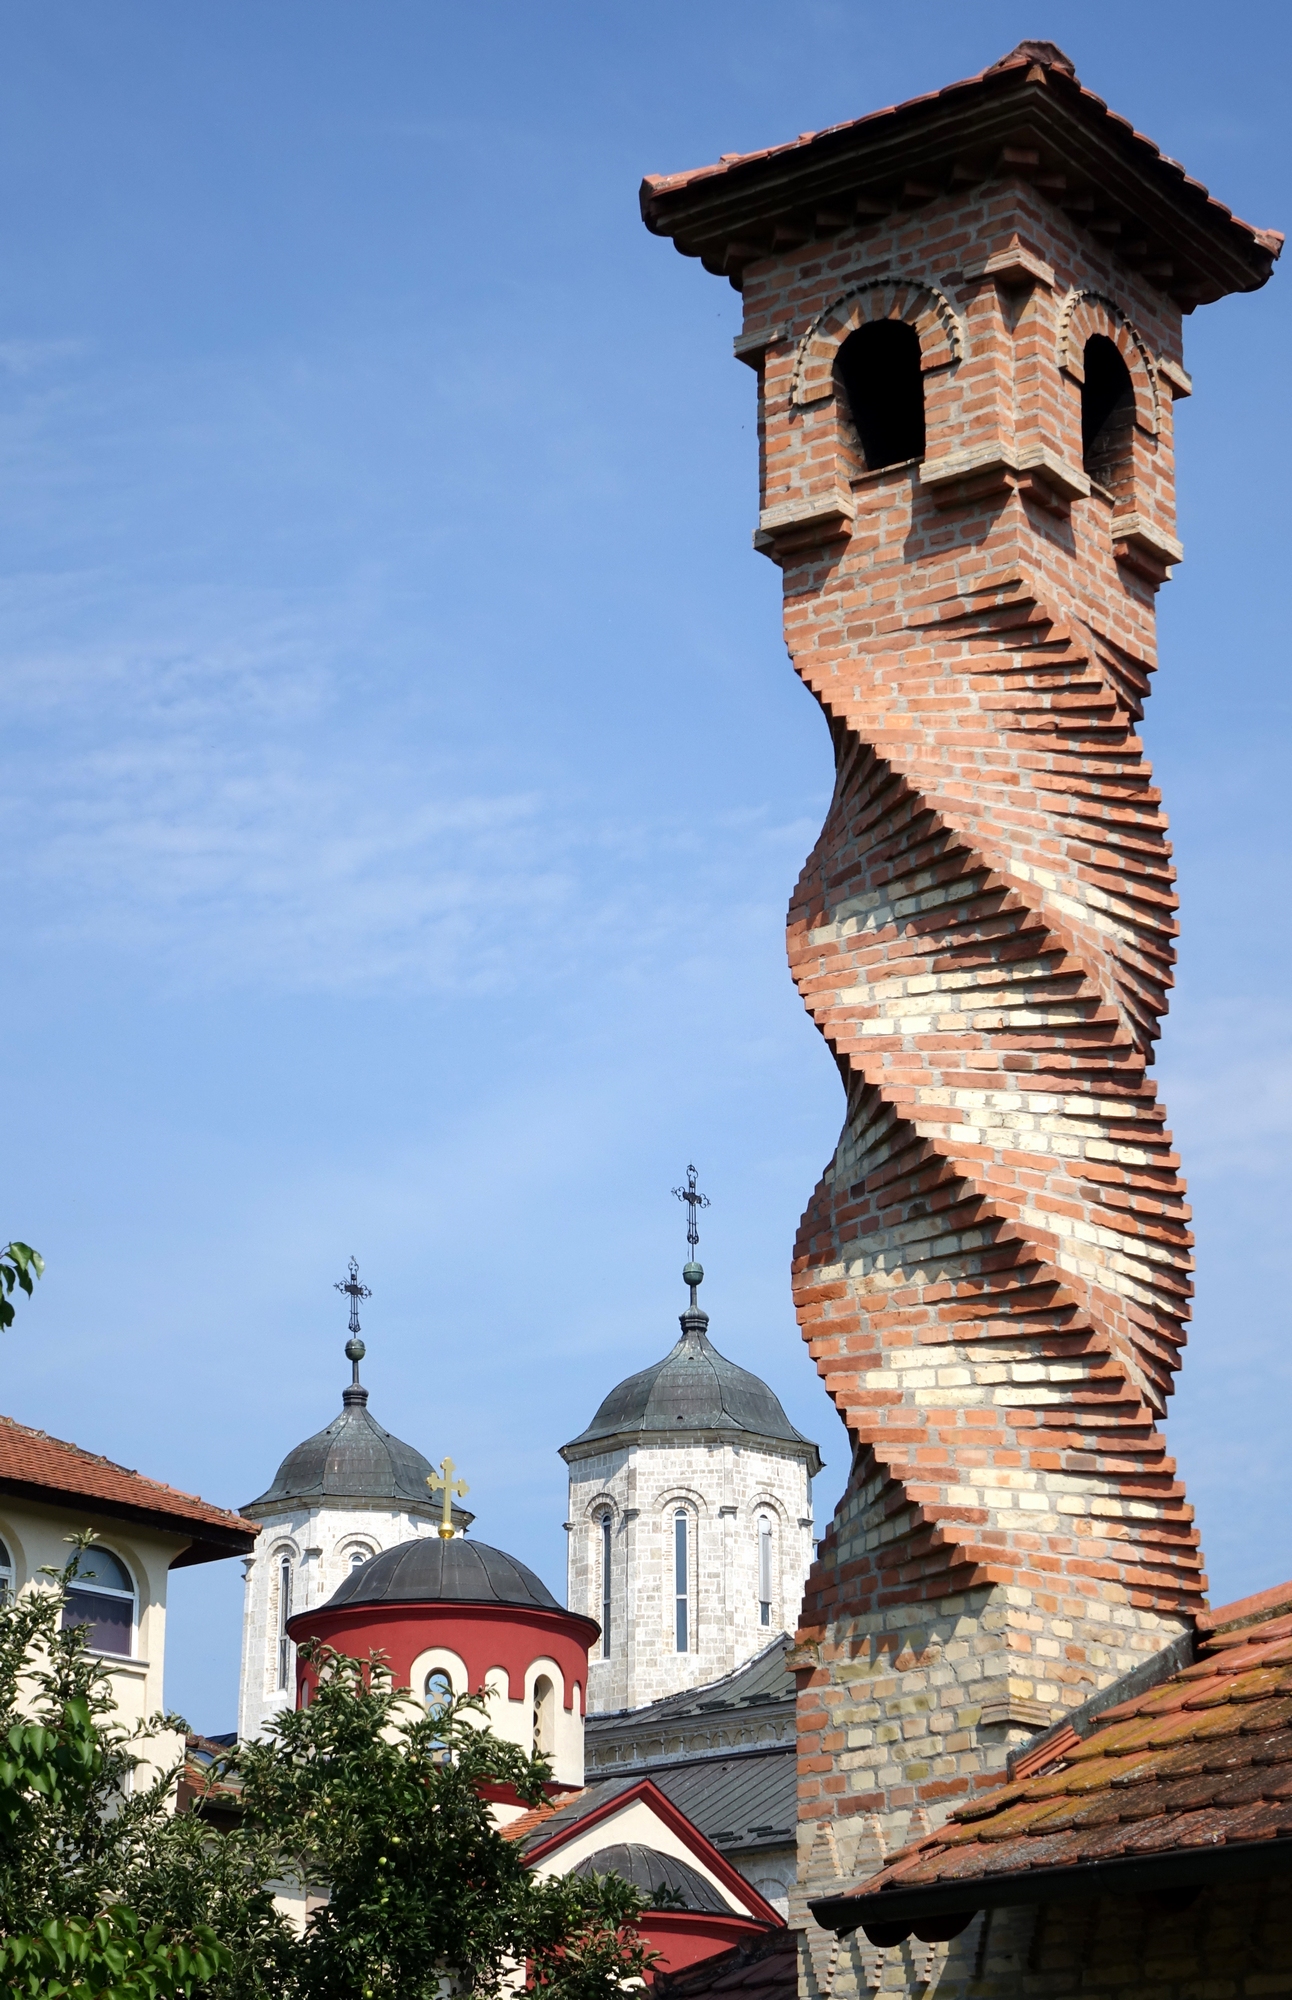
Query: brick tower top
{"x": 1028, "y": 116}
{"x": 965, "y": 317}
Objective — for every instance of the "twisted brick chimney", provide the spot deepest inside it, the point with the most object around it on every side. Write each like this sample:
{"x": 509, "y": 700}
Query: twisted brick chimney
{"x": 965, "y": 316}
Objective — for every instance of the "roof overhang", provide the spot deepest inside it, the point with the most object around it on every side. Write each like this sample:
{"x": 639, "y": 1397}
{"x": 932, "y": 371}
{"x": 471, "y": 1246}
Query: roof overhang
{"x": 321, "y": 1619}
{"x": 896, "y": 1912}
{"x": 590, "y": 1447}
{"x": 642, "y": 1791}
{"x": 208, "y": 1541}
{"x": 1027, "y": 116}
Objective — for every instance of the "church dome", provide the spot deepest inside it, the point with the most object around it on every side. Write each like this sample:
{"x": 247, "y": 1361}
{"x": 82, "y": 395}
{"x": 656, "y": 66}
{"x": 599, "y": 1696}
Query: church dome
{"x": 352, "y": 1459}
{"x": 693, "y": 1388}
{"x": 666, "y": 1881}
{"x": 429, "y": 1570}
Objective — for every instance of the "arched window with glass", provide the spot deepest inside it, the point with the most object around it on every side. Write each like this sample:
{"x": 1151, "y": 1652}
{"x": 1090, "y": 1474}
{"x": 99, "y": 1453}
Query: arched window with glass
{"x": 102, "y": 1598}
{"x": 284, "y": 1613}
{"x": 437, "y": 1692}
{"x": 682, "y": 1620}
{"x": 544, "y": 1717}
{"x": 7, "y": 1585}
{"x": 764, "y": 1569}
{"x": 606, "y": 1527}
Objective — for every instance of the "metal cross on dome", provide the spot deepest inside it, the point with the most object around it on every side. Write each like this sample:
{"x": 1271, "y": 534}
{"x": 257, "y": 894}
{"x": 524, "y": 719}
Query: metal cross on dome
{"x": 695, "y": 1201}
{"x": 444, "y": 1482}
{"x": 355, "y": 1291}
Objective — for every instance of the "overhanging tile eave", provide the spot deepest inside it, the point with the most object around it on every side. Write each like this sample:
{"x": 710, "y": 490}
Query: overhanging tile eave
{"x": 704, "y": 214}
{"x": 209, "y": 1541}
{"x": 1181, "y": 1867}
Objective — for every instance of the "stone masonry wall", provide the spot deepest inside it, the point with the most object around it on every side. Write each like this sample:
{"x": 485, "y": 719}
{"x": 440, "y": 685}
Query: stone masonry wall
{"x": 319, "y": 1543}
{"x": 724, "y": 1488}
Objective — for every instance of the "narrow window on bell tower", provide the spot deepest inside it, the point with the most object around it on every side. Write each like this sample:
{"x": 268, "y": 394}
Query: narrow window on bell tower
{"x": 284, "y": 1613}
{"x": 681, "y": 1569}
{"x": 879, "y": 369}
{"x": 764, "y": 1570}
{"x": 1107, "y": 417}
{"x": 605, "y": 1586}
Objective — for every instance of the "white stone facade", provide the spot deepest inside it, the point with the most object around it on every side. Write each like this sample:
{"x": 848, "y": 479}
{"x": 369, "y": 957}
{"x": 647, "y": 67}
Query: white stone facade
{"x": 725, "y": 1490}
{"x": 319, "y": 1544}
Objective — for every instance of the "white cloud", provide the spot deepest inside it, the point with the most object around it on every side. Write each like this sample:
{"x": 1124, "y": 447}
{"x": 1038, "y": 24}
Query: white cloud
{"x": 246, "y": 811}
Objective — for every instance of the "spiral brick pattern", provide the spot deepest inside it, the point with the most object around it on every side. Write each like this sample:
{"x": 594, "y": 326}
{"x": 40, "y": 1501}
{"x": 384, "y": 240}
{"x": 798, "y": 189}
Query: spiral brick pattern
{"x": 994, "y": 1271}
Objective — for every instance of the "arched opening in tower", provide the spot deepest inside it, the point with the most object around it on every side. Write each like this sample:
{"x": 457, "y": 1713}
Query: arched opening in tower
{"x": 879, "y": 369}
{"x": 1107, "y": 417}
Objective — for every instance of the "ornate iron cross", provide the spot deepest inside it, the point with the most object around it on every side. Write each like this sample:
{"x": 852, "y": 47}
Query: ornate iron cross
{"x": 695, "y": 1201}
{"x": 354, "y": 1291}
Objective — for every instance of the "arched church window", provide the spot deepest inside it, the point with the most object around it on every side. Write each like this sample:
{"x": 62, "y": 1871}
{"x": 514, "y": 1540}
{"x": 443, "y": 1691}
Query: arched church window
{"x": 764, "y": 1569}
{"x": 437, "y": 1691}
{"x": 102, "y": 1598}
{"x": 544, "y": 1717}
{"x": 681, "y": 1582}
{"x": 605, "y": 1525}
{"x": 284, "y": 1613}
{"x": 358, "y": 1557}
{"x": 1107, "y": 416}
{"x": 6, "y": 1573}
{"x": 879, "y": 369}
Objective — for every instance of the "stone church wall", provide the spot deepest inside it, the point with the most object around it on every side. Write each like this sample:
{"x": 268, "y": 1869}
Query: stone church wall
{"x": 723, "y": 1488}
{"x": 322, "y": 1546}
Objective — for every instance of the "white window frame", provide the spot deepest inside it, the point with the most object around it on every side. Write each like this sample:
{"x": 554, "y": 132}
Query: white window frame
{"x": 683, "y": 1622}
{"x": 286, "y": 1574}
{"x": 766, "y": 1598}
{"x": 605, "y": 1522}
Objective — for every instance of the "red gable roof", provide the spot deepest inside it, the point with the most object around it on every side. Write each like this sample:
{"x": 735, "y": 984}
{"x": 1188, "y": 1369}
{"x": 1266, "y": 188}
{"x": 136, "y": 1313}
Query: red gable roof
{"x": 35, "y": 1466}
{"x": 1188, "y": 1782}
{"x": 1028, "y": 114}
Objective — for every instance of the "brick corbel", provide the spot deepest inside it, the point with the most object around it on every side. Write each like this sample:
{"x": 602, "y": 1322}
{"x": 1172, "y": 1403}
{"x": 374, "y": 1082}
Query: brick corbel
{"x": 803, "y": 521}
{"x": 993, "y": 466}
{"x": 1014, "y": 266}
{"x": 1144, "y": 547}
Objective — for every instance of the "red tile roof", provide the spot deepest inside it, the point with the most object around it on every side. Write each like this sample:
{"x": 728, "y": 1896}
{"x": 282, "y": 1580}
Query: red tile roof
{"x": 1188, "y": 1780}
{"x": 767, "y": 1969}
{"x": 35, "y": 1466}
{"x": 726, "y": 212}
{"x": 520, "y": 1829}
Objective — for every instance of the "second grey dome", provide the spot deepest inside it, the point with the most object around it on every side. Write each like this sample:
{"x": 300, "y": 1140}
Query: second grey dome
{"x": 693, "y": 1388}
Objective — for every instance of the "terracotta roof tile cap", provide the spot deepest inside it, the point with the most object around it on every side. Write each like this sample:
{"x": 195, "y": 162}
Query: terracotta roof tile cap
{"x": 1049, "y": 54}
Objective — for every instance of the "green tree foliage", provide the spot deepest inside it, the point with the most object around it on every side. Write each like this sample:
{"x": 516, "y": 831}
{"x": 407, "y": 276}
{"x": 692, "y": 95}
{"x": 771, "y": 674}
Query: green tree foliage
{"x": 366, "y": 1792}
{"x": 19, "y": 1264}
{"x": 71, "y": 1958}
{"x": 106, "y": 1893}
{"x": 103, "y": 1889}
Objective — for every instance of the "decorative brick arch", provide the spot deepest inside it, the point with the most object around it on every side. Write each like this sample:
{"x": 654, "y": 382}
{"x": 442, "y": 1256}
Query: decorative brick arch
{"x": 1085, "y": 313}
{"x": 918, "y": 301}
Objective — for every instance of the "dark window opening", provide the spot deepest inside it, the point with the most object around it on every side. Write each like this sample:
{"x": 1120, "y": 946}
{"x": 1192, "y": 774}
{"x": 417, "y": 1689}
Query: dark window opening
{"x": 879, "y": 367}
{"x": 1107, "y": 416}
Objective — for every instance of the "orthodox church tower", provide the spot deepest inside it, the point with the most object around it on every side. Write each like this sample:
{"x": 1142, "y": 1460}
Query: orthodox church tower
{"x": 690, "y": 1517}
{"x": 344, "y": 1495}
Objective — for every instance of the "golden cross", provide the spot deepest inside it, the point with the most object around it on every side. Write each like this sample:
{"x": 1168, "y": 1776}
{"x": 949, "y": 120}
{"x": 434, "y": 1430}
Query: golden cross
{"x": 444, "y": 1482}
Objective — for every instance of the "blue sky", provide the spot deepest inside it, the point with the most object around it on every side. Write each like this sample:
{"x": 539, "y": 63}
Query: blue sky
{"x": 403, "y": 776}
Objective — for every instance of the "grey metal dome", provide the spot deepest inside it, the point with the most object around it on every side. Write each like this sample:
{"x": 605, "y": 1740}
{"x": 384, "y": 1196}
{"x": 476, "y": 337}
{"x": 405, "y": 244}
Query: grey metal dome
{"x": 353, "y": 1459}
{"x": 693, "y": 1388}
{"x": 676, "y": 1884}
{"x": 429, "y": 1570}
